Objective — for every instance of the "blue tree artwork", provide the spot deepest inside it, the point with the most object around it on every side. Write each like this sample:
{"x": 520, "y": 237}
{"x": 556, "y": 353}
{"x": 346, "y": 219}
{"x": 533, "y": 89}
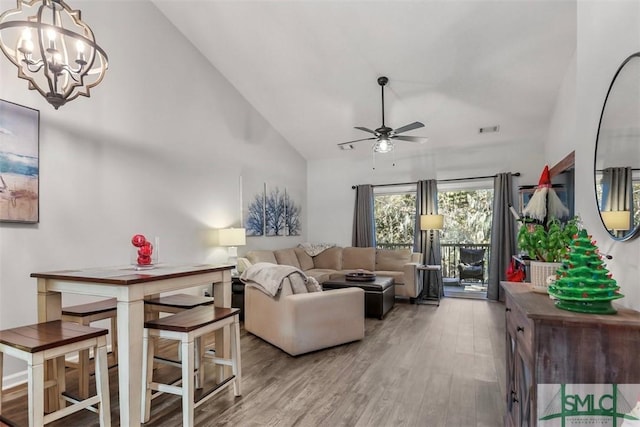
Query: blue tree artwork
{"x": 273, "y": 214}
{"x": 255, "y": 216}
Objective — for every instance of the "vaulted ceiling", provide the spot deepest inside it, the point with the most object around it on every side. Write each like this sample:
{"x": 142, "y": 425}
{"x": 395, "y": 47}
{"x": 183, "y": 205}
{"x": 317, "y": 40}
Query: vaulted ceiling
{"x": 311, "y": 67}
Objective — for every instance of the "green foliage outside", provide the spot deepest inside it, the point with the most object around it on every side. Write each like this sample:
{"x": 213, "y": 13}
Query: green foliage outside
{"x": 395, "y": 219}
{"x": 467, "y": 217}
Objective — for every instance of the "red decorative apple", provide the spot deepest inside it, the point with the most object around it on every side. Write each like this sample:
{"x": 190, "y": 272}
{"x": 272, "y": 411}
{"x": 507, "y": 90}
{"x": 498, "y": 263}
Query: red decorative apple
{"x": 145, "y": 250}
{"x": 138, "y": 240}
{"x": 144, "y": 260}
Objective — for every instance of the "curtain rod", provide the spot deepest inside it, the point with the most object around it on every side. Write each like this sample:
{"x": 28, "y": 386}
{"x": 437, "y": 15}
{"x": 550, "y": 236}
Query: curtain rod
{"x": 439, "y": 180}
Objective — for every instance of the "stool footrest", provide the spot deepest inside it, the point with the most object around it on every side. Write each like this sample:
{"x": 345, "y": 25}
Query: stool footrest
{"x": 213, "y": 391}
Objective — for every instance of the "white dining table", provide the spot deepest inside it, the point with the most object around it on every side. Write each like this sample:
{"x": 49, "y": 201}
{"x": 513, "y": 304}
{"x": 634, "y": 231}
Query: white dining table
{"x": 129, "y": 286}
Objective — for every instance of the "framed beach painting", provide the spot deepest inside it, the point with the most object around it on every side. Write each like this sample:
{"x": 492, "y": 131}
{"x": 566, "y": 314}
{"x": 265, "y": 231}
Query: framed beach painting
{"x": 19, "y": 163}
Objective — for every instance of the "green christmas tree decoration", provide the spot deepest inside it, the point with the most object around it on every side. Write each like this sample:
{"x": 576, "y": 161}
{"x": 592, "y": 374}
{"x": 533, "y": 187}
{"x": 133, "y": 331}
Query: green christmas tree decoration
{"x": 583, "y": 283}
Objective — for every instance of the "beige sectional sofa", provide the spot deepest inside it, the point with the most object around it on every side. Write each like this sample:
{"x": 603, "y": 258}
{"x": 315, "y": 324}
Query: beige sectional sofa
{"x": 336, "y": 261}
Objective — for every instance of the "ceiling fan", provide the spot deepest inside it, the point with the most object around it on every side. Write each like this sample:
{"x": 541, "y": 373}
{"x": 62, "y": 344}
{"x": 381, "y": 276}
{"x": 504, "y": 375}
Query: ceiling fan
{"x": 384, "y": 135}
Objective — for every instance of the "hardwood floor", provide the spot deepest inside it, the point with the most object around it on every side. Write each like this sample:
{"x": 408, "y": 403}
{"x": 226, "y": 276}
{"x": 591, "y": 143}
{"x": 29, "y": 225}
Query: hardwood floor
{"x": 420, "y": 366}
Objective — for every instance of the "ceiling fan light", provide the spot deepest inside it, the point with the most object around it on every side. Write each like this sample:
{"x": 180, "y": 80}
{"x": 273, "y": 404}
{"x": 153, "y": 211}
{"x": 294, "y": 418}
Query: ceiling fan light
{"x": 383, "y": 145}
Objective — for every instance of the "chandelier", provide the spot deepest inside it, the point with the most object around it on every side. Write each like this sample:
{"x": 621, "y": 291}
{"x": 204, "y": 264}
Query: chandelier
{"x": 54, "y": 50}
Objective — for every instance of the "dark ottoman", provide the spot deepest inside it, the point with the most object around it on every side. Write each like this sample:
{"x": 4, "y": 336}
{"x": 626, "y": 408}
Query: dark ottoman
{"x": 379, "y": 295}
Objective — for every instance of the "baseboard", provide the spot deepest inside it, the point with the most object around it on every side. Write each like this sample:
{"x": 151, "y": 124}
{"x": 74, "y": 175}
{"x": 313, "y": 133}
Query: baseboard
{"x": 14, "y": 380}
{"x": 20, "y": 378}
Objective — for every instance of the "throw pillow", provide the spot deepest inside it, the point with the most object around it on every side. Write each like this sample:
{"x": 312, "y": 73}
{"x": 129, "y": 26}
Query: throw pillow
{"x": 313, "y": 285}
{"x": 243, "y": 264}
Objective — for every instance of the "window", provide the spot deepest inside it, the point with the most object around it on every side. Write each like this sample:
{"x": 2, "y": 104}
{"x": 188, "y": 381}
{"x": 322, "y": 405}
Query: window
{"x": 467, "y": 216}
{"x": 395, "y": 215}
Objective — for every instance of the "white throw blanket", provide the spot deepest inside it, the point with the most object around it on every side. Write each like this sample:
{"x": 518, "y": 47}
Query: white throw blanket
{"x": 269, "y": 277}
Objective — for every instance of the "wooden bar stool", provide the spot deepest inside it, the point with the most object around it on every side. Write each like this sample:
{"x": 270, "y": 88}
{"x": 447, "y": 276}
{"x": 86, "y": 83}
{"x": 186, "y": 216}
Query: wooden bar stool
{"x": 85, "y": 314}
{"x": 186, "y": 327}
{"x": 43, "y": 341}
{"x": 175, "y": 303}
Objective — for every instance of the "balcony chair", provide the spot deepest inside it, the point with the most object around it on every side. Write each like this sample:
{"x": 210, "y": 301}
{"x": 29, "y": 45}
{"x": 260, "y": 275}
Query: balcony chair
{"x": 471, "y": 265}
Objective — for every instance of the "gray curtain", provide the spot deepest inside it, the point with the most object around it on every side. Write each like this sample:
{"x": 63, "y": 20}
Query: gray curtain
{"x": 428, "y": 242}
{"x": 503, "y": 235}
{"x": 364, "y": 231}
{"x": 617, "y": 192}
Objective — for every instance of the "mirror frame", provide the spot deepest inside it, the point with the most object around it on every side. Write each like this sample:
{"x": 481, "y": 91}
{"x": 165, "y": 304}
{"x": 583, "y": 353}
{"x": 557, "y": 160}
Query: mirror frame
{"x": 565, "y": 165}
{"x": 633, "y": 233}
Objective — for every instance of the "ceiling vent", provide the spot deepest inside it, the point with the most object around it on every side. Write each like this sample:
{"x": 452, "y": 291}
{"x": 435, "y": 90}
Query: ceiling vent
{"x": 489, "y": 129}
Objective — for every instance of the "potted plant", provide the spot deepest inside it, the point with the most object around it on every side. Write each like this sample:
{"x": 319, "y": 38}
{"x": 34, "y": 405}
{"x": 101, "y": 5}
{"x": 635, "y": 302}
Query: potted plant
{"x": 546, "y": 245}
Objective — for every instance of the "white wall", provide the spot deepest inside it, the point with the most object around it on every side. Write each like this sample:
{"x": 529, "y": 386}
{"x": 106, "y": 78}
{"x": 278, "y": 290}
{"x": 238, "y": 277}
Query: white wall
{"x": 158, "y": 149}
{"x": 608, "y": 32}
{"x": 331, "y": 199}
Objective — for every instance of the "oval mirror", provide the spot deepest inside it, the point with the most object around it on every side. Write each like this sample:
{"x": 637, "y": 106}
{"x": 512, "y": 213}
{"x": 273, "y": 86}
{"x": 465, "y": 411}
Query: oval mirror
{"x": 617, "y": 157}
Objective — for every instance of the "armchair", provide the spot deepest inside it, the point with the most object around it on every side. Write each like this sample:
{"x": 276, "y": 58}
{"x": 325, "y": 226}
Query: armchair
{"x": 471, "y": 265}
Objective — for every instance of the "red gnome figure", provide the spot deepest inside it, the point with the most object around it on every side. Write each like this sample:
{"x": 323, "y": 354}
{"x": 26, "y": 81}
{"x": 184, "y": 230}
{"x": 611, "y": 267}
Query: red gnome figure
{"x": 545, "y": 203}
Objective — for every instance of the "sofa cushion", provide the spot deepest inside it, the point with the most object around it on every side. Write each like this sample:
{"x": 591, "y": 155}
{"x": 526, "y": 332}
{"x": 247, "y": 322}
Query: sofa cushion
{"x": 394, "y": 260}
{"x": 304, "y": 259}
{"x": 286, "y": 257}
{"x": 359, "y": 258}
{"x": 320, "y": 274}
{"x": 398, "y": 276}
{"x": 261, "y": 256}
{"x": 329, "y": 259}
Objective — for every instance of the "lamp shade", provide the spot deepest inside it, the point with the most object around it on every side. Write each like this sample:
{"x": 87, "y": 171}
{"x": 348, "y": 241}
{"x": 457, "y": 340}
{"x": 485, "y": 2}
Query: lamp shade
{"x": 232, "y": 237}
{"x": 431, "y": 222}
{"x": 616, "y": 220}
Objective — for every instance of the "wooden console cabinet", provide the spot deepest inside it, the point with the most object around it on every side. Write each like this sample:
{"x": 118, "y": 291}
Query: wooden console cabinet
{"x": 546, "y": 345}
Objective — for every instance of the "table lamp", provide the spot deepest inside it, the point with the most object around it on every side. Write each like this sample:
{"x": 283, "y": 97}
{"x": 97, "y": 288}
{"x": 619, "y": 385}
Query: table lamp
{"x": 232, "y": 238}
{"x": 616, "y": 220}
{"x": 432, "y": 223}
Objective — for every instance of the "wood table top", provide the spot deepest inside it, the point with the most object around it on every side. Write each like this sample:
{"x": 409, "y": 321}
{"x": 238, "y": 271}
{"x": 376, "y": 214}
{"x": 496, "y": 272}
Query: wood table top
{"x": 128, "y": 275}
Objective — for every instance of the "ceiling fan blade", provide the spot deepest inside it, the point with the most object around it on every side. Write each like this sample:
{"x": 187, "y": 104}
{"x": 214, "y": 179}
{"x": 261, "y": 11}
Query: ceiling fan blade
{"x": 367, "y": 130}
{"x": 420, "y": 139}
{"x": 411, "y": 126}
{"x": 356, "y": 140}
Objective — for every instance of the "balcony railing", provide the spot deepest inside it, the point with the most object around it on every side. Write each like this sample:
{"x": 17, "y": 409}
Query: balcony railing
{"x": 450, "y": 255}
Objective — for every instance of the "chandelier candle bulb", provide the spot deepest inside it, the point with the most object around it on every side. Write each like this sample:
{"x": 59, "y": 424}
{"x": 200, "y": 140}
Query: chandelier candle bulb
{"x": 26, "y": 45}
{"x": 80, "y": 48}
{"x": 52, "y": 41}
